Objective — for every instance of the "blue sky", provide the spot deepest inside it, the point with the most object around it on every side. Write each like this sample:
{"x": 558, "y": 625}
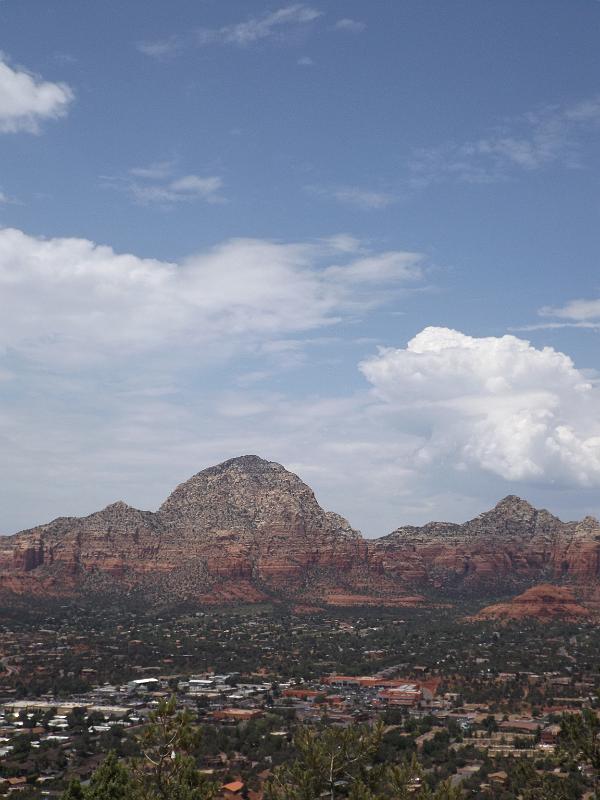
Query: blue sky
{"x": 321, "y": 232}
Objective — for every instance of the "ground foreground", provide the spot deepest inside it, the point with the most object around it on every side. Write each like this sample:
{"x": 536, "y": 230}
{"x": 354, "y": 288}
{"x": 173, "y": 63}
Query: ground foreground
{"x": 480, "y": 704}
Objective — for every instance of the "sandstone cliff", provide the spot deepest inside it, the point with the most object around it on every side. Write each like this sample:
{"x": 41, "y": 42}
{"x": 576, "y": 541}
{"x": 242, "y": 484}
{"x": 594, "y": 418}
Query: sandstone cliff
{"x": 544, "y": 603}
{"x": 239, "y": 531}
{"x": 248, "y": 530}
{"x": 507, "y": 548}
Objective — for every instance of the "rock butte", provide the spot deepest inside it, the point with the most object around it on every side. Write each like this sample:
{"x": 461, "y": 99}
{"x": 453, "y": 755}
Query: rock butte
{"x": 543, "y": 602}
{"x": 248, "y": 530}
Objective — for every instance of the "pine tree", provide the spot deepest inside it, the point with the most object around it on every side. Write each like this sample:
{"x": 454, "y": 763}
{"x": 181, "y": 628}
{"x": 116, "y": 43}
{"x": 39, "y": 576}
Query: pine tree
{"x": 167, "y": 769}
{"x": 342, "y": 763}
{"x": 111, "y": 781}
{"x": 580, "y": 738}
{"x": 74, "y": 791}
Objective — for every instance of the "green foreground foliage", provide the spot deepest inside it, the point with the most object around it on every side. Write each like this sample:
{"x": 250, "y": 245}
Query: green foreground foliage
{"x": 340, "y": 763}
{"x": 330, "y": 763}
{"x": 165, "y": 770}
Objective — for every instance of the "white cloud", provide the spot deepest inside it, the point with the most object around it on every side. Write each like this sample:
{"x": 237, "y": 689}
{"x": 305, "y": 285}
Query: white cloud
{"x": 576, "y": 310}
{"x": 357, "y": 196}
{"x": 363, "y": 198}
{"x": 550, "y": 135}
{"x": 380, "y": 268}
{"x": 581, "y": 313}
{"x": 123, "y": 375}
{"x": 26, "y": 100}
{"x": 162, "y": 48}
{"x": 256, "y": 28}
{"x": 350, "y": 25}
{"x": 156, "y": 184}
{"x": 121, "y": 372}
{"x": 497, "y": 404}
{"x": 305, "y": 61}
{"x": 179, "y": 190}
{"x": 274, "y": 25}
{"x": 157, "y": 171}
{"x": 451, "y": 423}
{"x": 71, "y": 300}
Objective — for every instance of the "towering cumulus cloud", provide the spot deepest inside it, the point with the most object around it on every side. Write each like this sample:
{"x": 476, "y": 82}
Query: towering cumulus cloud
{"x": 496, "y": 403}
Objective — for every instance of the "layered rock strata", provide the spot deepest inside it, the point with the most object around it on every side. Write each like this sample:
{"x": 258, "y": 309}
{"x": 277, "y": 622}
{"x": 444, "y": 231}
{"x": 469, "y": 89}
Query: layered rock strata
{"x": 248, "y": 530}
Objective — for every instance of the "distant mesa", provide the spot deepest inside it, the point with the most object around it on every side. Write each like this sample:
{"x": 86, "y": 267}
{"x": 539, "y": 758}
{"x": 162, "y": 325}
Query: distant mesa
{"x": 545, "y": 603}
{"x": 248, "y": 530}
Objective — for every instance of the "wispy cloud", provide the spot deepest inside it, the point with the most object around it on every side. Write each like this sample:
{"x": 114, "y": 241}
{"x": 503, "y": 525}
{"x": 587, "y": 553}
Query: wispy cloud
{"x": 156, "y": 171}
{"x": 549, "y": 135}
{"x": 274, "y": 25}
{"x": 6, "y": 199}
{"x": 161, "y": 48}
{"x": 349, "y": 25}
{"x": 580, "y": 313}
{"x": 264, "y": 27}
{"x": 575, "y": 310}
{"x": 357, "y": 196}
{"x": 158, "y": 184}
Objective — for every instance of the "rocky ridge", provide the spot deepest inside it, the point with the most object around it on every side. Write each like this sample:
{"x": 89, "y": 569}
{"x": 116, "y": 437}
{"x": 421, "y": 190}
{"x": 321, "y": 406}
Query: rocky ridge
{"x": 248, "y": 530}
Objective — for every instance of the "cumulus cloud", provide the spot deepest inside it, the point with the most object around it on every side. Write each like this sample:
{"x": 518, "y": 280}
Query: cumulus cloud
{"x": 70, "y": 298}
{"x": 495, "y": 403}
{"x": 26, "y": 100}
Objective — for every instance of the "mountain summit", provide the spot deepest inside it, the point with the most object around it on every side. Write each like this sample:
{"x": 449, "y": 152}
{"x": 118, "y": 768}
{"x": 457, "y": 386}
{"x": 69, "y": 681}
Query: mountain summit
{"x": 248, "y": 494}
{"x": 250, "y": 530}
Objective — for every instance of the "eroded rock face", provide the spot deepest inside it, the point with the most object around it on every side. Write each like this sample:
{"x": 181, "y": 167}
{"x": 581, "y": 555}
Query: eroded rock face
{"x": 544, "y": 603}
{"x": 239, "y": 531}
{"x": 247, "y": 530}
{"x": 504, "y": 549}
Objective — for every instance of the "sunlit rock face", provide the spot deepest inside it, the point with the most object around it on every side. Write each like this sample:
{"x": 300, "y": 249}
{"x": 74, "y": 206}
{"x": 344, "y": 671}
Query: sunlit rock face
{"x": 248, "y": 530}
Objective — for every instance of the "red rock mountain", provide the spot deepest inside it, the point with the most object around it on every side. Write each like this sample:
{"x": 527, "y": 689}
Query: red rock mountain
{"x": 544, "y": 603}
{"x": 509, "y": 547}
{"x": 249, "y": 530}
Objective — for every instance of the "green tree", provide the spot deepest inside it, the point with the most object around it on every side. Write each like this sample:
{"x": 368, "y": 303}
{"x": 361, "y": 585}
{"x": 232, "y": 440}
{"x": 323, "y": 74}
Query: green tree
{"x": 167, "y": 769}
{"x": 579, "y": 737}
{"x": 111, "y": 781}
{"x": 343, "y": 763}
{"x": 74, "y": 791}
{"x": 329, "y": 761}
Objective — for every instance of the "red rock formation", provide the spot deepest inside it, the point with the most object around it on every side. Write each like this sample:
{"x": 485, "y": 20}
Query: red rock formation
{"x": 249, "y": 530}
{"x": 544, "y": 603}
{"x": 244, "y": 530}
{"x": 506, "y": 548}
